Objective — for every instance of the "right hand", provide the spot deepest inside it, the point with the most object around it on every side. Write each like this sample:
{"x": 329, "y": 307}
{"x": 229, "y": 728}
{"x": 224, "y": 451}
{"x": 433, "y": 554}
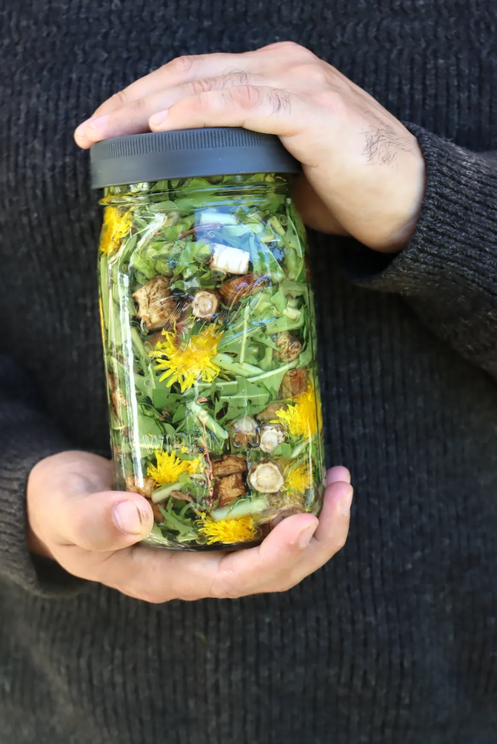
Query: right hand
{"x": 78, "y": 520}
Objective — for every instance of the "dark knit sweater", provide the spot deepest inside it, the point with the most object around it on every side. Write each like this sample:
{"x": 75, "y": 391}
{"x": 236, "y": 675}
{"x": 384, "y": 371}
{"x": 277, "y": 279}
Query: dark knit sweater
{"x": 393, "y": 642}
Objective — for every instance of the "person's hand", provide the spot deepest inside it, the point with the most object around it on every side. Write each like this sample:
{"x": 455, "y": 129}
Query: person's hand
{"x": 78, "y": 520}
{"x": 364, "y": 171}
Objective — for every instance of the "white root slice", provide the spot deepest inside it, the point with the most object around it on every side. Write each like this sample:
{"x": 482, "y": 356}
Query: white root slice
{"x": 270, "y": 437}
{"x": 266, "y": 477}
{"x": 229, "y": 259}
{"x": 217, "y": 218}
{"x": 247, "y": 425}
{"x": 205, "y": 304}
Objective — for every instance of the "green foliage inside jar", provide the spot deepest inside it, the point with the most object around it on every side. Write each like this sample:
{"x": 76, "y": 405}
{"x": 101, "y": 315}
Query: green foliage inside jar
{"x": 210, "y": 351}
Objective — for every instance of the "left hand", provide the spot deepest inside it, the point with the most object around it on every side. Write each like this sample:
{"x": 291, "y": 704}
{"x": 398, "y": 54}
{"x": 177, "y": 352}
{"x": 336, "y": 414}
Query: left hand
{"x": 363, "y": 170}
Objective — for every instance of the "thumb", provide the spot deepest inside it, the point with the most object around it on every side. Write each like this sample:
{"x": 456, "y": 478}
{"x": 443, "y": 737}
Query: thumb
{"x": 105, "y": 521}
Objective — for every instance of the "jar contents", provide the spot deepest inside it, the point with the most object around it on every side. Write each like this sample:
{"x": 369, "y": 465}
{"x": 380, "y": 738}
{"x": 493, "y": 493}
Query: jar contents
{"x": 210, "y": 352}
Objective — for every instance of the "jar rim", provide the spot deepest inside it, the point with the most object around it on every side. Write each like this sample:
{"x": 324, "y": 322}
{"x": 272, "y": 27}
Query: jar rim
{"x": 212, "y": 151}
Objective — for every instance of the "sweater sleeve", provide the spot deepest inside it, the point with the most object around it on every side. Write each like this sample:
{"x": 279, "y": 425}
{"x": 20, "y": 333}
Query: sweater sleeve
{"x": 26, "y": 437}
{"x": 448, "y": 271}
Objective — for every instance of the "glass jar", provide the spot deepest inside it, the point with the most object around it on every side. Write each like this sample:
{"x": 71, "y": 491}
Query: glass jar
{"x": 209, "y": 335}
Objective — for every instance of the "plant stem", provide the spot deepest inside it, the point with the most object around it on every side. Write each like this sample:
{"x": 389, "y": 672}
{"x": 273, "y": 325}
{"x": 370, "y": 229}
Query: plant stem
{"x": 206, "y": 420}
{"x": 242, "y": 509}
{"x": 161, "y": 494}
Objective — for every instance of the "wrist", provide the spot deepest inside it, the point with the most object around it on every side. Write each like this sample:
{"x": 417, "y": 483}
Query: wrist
{"x": 405, "y": 204}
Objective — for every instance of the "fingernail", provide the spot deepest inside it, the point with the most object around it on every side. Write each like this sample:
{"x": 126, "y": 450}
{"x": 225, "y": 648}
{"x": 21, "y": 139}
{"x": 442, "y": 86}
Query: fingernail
{"x": 346, "y": 502}
{"x": 98, "y": 122}
{"x": 158, "y": 118}
{"x": 330, "y": 479}
{"x": 127, "y": 518}
{"x": 306, "y": 535}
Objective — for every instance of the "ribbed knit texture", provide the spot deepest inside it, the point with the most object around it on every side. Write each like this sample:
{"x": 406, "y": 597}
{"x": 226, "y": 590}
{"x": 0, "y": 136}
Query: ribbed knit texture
{"x": 395, "y": 640}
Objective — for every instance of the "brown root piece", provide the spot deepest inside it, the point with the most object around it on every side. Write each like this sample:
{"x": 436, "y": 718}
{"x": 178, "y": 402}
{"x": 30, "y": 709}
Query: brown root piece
{"x": 155, "y": 304}
{"x": 117, "y": 400}
{"x": 181, "y": 496}
{"x": 269, "y": 413}
{"x": 205, "y": 304}
{"x": 229, "y": 488}
{"x": 289, "y": 347}
{"x": 282, "y": 505}
{"x": 287, "y": 500}
{"x": 240, "y": 287}
{"x": 145, "y": 489}
{"x": 266, "y": 477}
{"x": 228, "y": 465}
{"x": 244, "y": 432}
{"x": 293, "y": 383}
{"x": 158, "y": 516}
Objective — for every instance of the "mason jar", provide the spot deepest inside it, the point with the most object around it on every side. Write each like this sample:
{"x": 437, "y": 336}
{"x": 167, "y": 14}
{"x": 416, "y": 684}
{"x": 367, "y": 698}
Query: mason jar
{"x": 209, "y": 334}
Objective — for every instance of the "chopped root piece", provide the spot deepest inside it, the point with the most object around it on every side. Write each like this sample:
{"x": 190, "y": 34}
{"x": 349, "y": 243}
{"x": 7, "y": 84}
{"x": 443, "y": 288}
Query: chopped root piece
{"x": 158, "y": 516}
{"x": 181, "y": 496}
{"x": 236, "y": 289}
{"x": 290, "y": 347}
{"x": 269, "y": 413}
{"x": 117, "y": 400}
{"x": 293, "y": 383}
{"x": 228, "y": 259}
{"x": 271, "y": 435}
{"x": 228, "y": 465}
{"x": 205, "y": 304}
{"x": 266, "y": 477}
{"x": 155, "y": 304}
{"x": 229, "y": 488}
{"x": 244, "y": 432}
{"x": 145, "y": 489}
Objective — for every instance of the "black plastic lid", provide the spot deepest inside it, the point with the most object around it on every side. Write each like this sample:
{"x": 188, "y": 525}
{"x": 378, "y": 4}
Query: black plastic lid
{"x": 187, "y": 152}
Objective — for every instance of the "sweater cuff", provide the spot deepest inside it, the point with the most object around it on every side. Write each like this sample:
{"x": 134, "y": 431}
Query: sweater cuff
{"x": 454, "y": 246}
{"x": 26, "y": 437}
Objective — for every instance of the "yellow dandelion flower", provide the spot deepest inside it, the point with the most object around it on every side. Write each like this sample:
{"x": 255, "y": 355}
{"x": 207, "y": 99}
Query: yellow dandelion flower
{"x": 304, "y": 417}
{"x": 299, "y": 478}
{"x": 190, "y": 363}
{"x": 116, "y": 225}
{"x": 169, "y": 467}
{"x": 227, "y": 530}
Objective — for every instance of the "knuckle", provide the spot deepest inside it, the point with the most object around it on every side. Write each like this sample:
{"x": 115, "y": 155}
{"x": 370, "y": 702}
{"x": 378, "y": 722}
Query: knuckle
{"x": 291, "y": 47}
{"x": 247, "y": 96}
{"x": 119, "y": 99}
{"x": 203, "y": 85}
{"x": 331, "y": 100}
{"x": 225, "y": 587}
{"x": 234, "y": 77}
{"x": 180, "y": 64}
{"x": 339, "y": 544}
{"x": 312, "y": 72}
{"x": 199, "y": 104}
{"x": 138, "y": 105}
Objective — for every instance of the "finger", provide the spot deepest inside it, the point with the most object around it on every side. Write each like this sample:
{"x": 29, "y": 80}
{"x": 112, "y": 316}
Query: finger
{"x": 186, "y": 69}
{"x": 159, "y": 576}
{"x": 260, "y": 108}
{"x": 334, "y": 518}
{"x": 133, "y": 117}
{"x": 338, "y": 473}
{"x": 100, "y": 522}
{"x": 328, "y": 539}
{"x": 251, "y": 571}
{"x": 178, "y": 71}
